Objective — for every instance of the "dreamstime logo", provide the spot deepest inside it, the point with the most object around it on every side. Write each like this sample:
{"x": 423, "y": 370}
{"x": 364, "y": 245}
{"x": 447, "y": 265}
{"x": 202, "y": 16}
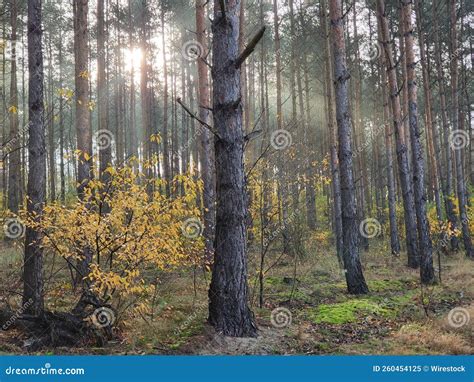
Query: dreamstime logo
{"x": 103, "y": 317}
{"x": 104, "y": 139}
{"x": 17, "y": 314}
{"x": 370, "y": 50}
{"x": 368, "y": 143}
{"x": 281, "y": 318}
{"x": 192, "y": 228}
{"x": 6, "y": 49}
{"x": 45, "y": 370}
{"x": 13, "y": 228}
{"x": 370, "y": 228}
{"x": 9, "y": 146}
{"x": 197, "y": 133}
{"x": 281, "y": 139}
{"x": 458, "y": 139}
{"x": 192, "y": 50}
{"x": 283, "y": 226}
{"x": 458, "y": 317}
{"x": 189, "y": 320}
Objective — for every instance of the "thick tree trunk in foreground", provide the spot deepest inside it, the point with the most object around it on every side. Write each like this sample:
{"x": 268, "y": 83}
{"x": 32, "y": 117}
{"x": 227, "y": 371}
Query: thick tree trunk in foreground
{"x": 36, "y": 189}
{"x": 353, "y": 269}
{"x": 402, "y": 156}
{"x": 228, "y": 309}
{"x": 206, "y": 148}
{"x": 425, "y": 245}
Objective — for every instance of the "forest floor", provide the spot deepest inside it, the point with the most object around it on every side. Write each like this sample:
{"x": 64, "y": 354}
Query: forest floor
{"x": 396, "y": 317}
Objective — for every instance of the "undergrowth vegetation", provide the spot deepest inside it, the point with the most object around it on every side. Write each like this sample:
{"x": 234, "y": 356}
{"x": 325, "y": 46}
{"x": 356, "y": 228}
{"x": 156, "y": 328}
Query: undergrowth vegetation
{"x": 397, "y": 317}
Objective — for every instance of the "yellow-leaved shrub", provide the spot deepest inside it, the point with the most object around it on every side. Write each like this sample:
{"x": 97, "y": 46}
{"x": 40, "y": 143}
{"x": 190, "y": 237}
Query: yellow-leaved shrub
{"x": 132, "y": 229}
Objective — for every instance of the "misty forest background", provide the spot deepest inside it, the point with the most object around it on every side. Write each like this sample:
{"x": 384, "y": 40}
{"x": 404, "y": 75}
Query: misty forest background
{"x": 236, "y": 177}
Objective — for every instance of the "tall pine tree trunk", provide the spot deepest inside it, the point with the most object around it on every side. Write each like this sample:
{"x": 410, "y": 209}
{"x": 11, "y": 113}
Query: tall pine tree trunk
{"x": 282, "y": 185}
{"x": 14, "y": 157}
{"x": 394, "y": 240}
{"x": 364, "y": 189}
{"x": 448, "y": 183}
{"x": 228, "y": 308}
{"x": 353, "y": 269}
{"x": 330, "y": 120}
{"x": 145, "y": 91}
{"x": 105, "y": 151}
{"x": 133, "y": 139}
{"x": 166, "y": 150}
{"x": 429, "y": 113}
{"x": 36, "y": 189}
{"x": 206, "y": 154}
{"x": 309, "y": 173}
{"x": 402, "y": 155}
{"x": 83, "y": 127}
{"x": 51, "y": 139}
{"x": 457, "y": 131}
{"x": 61, "y": 126}
{"x": 425, "y": 245}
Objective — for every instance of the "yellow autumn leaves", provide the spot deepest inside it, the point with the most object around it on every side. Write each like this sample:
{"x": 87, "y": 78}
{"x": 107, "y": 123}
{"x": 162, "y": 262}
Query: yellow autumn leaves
{"x": 128, "y": 225}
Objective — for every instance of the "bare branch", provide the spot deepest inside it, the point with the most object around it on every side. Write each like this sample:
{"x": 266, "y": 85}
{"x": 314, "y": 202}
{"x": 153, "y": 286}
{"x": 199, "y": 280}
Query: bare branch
{"x": 193, "y": 115}
{"x": 250, "y": 47}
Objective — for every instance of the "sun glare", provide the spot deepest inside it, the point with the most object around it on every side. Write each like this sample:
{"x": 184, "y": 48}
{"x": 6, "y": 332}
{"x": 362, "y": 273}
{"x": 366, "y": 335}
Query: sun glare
{"x": 132, "y": 58}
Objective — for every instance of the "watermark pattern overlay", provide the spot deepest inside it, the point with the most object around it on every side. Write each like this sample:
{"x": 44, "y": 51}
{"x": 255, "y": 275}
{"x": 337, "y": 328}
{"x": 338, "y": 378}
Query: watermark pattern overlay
{"x": 281, "y": 139}
{"x": 13, "y": 228}
{"x": 103, "y": 317}
{"x": 281, "y": 318}
{"x": 459, "y": 139}
{"x": 370, "y": 50}
{"x": 281, "y": 228}
{"x": 190, "y": 319}
{"x": 104, "y": 139}
{"x": 370, "y": 228}
{"x": 192, "y": 50}
{"x": 192, "y": 228}
{"x": 458, "y": 317}
{"x": 17, "y": 314}
{"x": 10, "y": 145}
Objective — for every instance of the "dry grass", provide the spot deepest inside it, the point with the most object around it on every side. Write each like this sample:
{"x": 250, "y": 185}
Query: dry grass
{"x": 432, "y": 338}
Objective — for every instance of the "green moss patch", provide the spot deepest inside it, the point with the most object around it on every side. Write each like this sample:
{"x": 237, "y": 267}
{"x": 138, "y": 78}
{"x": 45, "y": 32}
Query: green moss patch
{"x": 348, "y": 311}
{"x": 273, "y": 280}
{"x": 356, "y": 308}
{"x": 387, "y": 285}
{"x": 296, "y": 295}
